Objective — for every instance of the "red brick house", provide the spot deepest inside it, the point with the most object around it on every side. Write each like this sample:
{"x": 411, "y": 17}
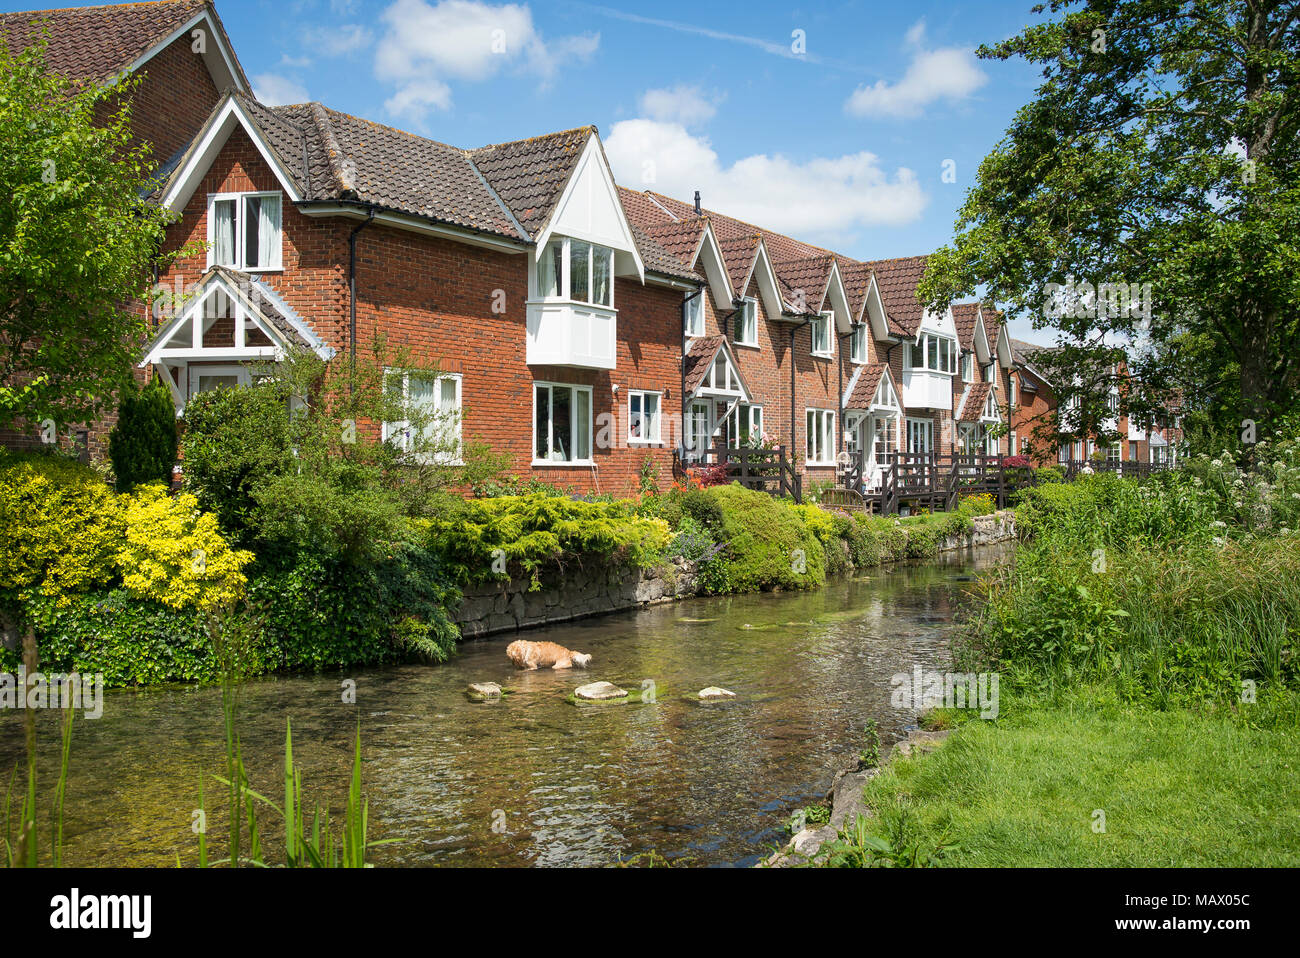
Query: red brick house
{"x": 590, "y": 331}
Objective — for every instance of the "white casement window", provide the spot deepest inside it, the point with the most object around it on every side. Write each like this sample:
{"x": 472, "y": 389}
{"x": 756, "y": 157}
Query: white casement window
{"x": 574, "y": 270}
{"x": 561, "y": 424}
{"x": 697, "y": 428}
{"x": 695, "y": 315}
{"x": 745, "y": 426}
{"x": 967, "y": 367}
{"x": 821, "y": 437}
{"x": 1011, "y": 391}
{"x": 1011, "y": 443}
{"x": 433, "y": 407}
{"x": 1063, "y": 454}
{"x": 745, "y": 323}
{"x": 1114, "y": 453}
{"x": 821, "y": 335}
{"x": 244, "y": 231}
{"x": 920, "y": 435}
{"x": 643, "y": 417}
{"x": 990, "y": 407}
{"x": 937, "y": 354}
{"x": 858, "y": 344}
{"x": 990, "y": 374}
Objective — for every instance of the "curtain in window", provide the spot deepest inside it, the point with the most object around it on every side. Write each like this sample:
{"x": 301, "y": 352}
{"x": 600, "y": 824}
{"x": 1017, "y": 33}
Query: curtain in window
{"x": 268, "y": 231}
{"x": 550, "y": 269}
{"x": 223, "y": 233}
{"x": 602, "y": 269}
{"x": 580, "y": 271}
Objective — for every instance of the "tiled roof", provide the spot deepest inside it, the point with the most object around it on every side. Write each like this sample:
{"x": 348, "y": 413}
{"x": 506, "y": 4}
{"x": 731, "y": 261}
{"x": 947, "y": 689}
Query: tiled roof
{"x": 898, "y": 280}
{"x": 739, "y": 252}
{"x": 966, "y": 317}
{"x": 92, "y": 44}
{"x": 681, "y": 239}
{"x": 1023, "y": 352}
{"x": 698, "y": 360}
{"x": 812, "y": 275}
{"x": 857, "y": 280}
{"x": 865, "y": 383}
{"x": 529, "y": 175}
{"x": 972, "y": 404}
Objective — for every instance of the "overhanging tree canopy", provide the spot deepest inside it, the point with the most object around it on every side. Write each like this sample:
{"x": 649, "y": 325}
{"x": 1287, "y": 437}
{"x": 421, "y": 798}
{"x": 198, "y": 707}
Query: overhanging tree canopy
{"x": 1162, "y": 148}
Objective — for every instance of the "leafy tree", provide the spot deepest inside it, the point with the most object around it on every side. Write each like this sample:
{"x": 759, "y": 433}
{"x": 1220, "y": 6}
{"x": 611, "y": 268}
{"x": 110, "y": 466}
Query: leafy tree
{"x": 143, "y": 442}
{"x": 77, "y": 240}
{"x": 1162, "y": 148}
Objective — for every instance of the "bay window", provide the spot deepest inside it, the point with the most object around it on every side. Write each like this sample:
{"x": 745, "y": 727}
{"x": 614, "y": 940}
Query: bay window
{"x": 643, "y": 416}
{"x": 576, "y": 270}
{"x": 934, "y": 353}
{"x": 244, "y": 231}
{"x": 562, "y": 423}
{"x": 821, "y": 437}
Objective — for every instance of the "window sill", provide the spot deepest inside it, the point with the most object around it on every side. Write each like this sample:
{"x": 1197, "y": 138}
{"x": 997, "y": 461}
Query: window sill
{"x": 737, "y": 342}
{"x": 822, "y": 355}
{"x": 569, "y": 464}
{"x": 569, "y": 302}
{"x": 819, "y": 465}
{"x": 645, "y": 442}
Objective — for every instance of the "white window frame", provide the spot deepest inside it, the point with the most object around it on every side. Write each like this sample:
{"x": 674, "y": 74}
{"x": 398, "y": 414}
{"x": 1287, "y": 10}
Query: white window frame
{"x": 1011, "y": 391}
{"x": 858, "y": 344}
{"x": 696, "y": 436}
{"x": 241, "y": 258}
{"x": 390, "y": 430}
{"x": 695, "y": 315}
{"x": 564, "y": 282}
{"x": 573, "y": 424}
{"x": 642, "y": 394}
{"x": 967, "y": 367}
{"x": 917, "y": 429}
{"x": 921, "y": 346}
{"x": 754, "y": 413}
{"x": 819, "y": 423}
{"x": 822, "y": 322}
{"x": 747, "y": 316}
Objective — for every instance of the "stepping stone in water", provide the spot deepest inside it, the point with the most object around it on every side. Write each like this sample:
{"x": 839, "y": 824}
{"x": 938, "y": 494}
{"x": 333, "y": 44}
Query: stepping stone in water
{"x": 713, "y": 692}
{"x": 481, "y": 691}
{"x": 599, "y": 692}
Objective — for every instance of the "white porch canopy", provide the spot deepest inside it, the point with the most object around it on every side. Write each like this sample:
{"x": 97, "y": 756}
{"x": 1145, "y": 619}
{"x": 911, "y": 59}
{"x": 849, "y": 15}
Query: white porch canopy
{"x": 231, "y": 322}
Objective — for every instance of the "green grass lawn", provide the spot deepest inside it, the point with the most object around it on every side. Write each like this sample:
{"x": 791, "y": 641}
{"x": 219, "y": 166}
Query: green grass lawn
{"x": 1178, "y": 788}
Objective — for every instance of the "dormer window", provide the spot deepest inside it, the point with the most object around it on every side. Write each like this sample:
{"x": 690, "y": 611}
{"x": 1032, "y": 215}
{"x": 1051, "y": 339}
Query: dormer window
{"x": 578, "y": 271}
{"x": 244, "y": 231}
{"x": 821, "y": 335}
{"x": 695, "y": 314}
{"x": 745, "y": 332}
{"x": 858, "y": 344}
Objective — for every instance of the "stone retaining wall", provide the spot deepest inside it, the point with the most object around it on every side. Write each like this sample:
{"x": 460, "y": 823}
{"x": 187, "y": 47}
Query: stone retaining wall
{"x": 574, "y": 592}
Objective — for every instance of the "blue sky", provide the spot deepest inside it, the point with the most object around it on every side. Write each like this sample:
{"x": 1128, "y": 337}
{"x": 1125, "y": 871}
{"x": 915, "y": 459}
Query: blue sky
{"x": 842, "y": 144}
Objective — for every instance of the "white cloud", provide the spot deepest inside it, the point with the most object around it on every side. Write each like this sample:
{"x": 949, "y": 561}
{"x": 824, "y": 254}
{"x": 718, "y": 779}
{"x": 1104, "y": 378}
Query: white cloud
{"x": 825, "y": 197}
{"x": 680, "y": 104}
{"x": 946, "y": 74}
{"x": 342, "y": 40}
{"x": 276, "y": 90}
{"x": 426, "y": 44}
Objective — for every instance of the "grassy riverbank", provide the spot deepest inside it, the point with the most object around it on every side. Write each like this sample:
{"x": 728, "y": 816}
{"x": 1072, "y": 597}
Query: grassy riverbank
{"x": 1146, "y": 639}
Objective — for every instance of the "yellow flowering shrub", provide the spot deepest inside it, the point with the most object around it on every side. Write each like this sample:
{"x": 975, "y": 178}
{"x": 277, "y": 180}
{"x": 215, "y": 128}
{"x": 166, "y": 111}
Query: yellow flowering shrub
{"x": 175, "y": 554}
{"x": 59, "y": 527}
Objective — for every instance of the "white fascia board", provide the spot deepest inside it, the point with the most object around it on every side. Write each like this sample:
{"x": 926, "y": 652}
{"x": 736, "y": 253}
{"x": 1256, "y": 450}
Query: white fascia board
{"x": 593, "y": 152}
{"x": 223, "y": 56}
{"x": 709, "y": 255}
{"x": 416, "y": 225}
{"x": 874, "y": 309}
{"x": 981, "y": 337}
{"x": 1004, "y": 347}
{"x": 186, "y": 180}
{"x": 839, "y": 298}
{"x": 768, "y": 287}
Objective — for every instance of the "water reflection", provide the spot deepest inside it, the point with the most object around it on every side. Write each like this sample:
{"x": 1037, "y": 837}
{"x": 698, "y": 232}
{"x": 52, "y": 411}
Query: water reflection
{"x": 563, "y": 785}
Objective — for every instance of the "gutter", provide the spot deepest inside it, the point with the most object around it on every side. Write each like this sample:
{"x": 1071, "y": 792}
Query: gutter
{"x": 352, "y": 285}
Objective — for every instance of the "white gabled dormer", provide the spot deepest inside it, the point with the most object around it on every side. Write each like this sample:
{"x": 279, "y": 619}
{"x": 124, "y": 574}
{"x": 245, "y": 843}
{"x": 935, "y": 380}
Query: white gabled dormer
{"x": 930, "y": 362}
{"x": 586, "y": 242}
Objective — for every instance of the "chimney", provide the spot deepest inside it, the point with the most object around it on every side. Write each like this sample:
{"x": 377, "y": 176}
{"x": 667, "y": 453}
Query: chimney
{"x": 697, "y": 202}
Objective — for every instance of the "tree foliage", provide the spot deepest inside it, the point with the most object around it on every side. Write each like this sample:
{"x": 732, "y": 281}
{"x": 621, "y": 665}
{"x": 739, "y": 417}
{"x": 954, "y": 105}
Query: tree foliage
{"x": 77, "y": 239}
{"x": 1162, "y": 147}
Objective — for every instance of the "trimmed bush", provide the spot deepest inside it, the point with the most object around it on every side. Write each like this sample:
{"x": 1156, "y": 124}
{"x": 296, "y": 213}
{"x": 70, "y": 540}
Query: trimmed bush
{"x": 142, "y": 444}
{"x": 766, "y": 545}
